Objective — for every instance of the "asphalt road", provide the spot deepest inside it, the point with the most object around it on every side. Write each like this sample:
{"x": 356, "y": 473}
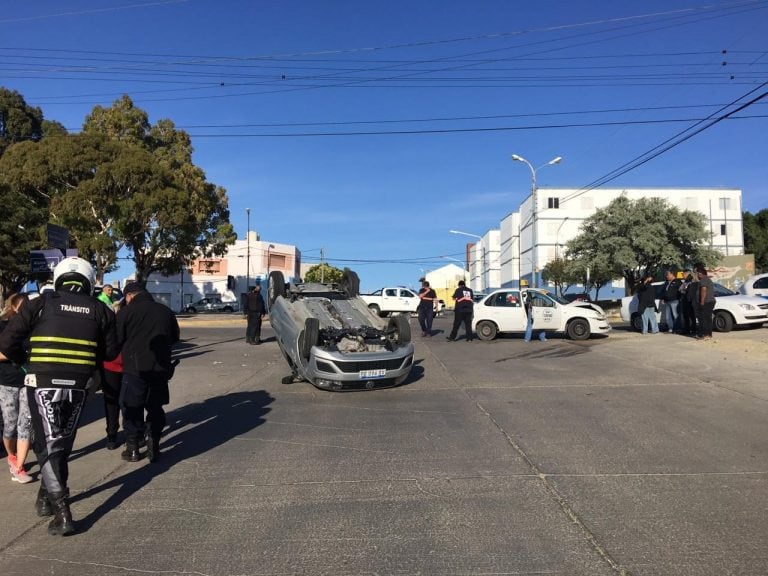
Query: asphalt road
{"x": 622, "y": 455}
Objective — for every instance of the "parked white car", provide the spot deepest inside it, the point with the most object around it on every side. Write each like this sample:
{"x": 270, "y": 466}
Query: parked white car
{"x": 755, "y": 286}
{"x": 731, "y": 309}
{"x": 502, "y": 311}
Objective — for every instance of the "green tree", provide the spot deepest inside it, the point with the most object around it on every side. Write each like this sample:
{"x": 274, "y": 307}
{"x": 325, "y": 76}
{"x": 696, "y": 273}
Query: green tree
{"x": 166, "y": 212}
{"x": 18, "y": 120}
{"x": 756, "y": 237}
{"x": 630, "y": 238}
{"x": 24, "y": 209}
{"x": 560, "y": 274}
{"x": 592, "y": 274}
{"x": 324, "y": 273}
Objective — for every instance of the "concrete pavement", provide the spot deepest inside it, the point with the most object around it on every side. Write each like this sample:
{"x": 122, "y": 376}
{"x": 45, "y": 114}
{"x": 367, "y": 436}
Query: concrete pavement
{"x": 623, "y": 455}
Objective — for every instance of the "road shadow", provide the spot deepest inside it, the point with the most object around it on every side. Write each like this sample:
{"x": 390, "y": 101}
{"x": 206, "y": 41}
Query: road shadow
{"x": 191, "y": 430}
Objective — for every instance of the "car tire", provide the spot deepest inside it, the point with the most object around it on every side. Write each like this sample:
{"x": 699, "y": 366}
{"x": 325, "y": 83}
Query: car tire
{"x": 578, "y": 329}
{"x": 636, "y": 322}
{"x": 375, "y": 309}
{"x": 722, "y": 322}
{"x": 276, "y": 287}
{"x": 309, "y": 337}
{"x": 350, "y": 283}
{"x": 191, "y": 309}
{"x": 486, "y": 330}
{"x": 401, "y": 327}
{"x": 227, "y": 309}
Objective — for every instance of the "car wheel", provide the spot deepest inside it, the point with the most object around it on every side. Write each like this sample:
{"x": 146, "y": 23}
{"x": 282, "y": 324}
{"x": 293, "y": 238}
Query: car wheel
{"x": 486, "y": 330}
{"x": 350, "y": 282}
{"x": 578, "y": 329}
{"x": 191, "y": 310}
{"x": 723, "y": 321}
{"x": 309, "y": 336}
{"x": 276, "y": 287}
{"x": 227, "y": 309}
{"x": 375, "y": 309}
{"x": 637, "y": 322}
{"x": 401, "y": 327}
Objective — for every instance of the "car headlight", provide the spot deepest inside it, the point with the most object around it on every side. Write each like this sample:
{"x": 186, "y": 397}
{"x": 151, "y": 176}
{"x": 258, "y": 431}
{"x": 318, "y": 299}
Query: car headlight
{"x": 746, "y": 306}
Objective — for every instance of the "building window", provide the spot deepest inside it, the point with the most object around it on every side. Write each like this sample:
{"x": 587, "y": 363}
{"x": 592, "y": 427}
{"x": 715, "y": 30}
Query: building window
{"x": 725, "y": 203}
{"x": 553, "y": 203}
{"x": 208, "y": 266}
{"x": 723, "y": 230}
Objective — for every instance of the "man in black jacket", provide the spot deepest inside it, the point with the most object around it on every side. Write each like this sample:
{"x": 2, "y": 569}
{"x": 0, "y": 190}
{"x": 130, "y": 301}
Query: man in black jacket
{"x": 146, "y": 331}
{"x": 255, "y": 311}
{"x": 646, "y": 305}
{"x": 671, "y": 296}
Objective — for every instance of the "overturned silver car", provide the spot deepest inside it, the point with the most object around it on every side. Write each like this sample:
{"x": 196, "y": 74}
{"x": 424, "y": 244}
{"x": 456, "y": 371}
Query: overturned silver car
{"x": 331, "y": 338}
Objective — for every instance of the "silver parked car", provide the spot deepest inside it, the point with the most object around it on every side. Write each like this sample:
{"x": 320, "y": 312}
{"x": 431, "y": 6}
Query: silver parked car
{"x": 331, "y": 338}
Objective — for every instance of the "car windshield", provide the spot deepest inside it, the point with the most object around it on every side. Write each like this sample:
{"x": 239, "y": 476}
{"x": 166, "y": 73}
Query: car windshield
{"x": 721, "y": 290}
{"x": 554, "y": 297}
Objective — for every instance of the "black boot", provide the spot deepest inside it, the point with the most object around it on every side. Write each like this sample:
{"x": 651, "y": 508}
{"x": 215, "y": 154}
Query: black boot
{"x": 153, "y": 449}
{"x": 112, "y": 442}
{"x": 62, "y": 523}
{"x": 42, "y": 503}
{"x": 131, "y": 452}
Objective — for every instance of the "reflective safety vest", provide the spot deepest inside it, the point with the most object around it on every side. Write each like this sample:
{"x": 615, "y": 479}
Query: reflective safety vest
{"x": 68, "y": 335}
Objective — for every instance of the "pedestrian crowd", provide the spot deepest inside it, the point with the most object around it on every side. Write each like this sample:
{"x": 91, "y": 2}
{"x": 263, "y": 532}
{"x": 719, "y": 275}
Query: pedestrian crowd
{"x": 58, "y": 347}
{"x": 688, "y": 303}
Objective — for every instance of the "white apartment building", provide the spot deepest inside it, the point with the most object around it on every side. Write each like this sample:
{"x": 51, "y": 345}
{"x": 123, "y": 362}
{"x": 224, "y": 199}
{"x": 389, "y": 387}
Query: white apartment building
{"x": 542, "y": 235}
{"x": 246, "y": 263}
{"x": 484, "y": 262}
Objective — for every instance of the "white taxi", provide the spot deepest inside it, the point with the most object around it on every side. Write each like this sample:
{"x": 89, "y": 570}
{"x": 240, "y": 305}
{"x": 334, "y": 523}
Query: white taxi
{"x": 502, "y": 311}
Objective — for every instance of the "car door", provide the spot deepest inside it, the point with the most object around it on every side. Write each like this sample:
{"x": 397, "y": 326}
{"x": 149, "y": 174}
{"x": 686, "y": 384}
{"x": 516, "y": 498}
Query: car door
{"x": 547, "y": 314}
{"x": 505, "y": 308}
{"x": 407, "y": 301}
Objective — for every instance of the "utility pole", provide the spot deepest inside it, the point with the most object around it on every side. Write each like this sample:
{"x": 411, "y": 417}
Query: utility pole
{"x": 248, "y": 252}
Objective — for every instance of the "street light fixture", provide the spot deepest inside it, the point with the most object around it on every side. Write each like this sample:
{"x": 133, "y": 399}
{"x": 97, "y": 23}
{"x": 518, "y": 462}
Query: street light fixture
{"x": 534, "y": 209}
{"x": 248, "y": 251}
{"x": 484, "y": 261}
{"x": 463, "y": 264}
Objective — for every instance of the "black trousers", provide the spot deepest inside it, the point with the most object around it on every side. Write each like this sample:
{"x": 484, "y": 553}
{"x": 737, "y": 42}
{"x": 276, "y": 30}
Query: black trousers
{"x": 689, "y": 316}
{"x": 55, "y": 418}
{"x": 704, "y": 316}
{"x": 426, "y": 315}
{"x": 462, "y": 317}
{"x": 111, "y": 384}
{"x": 137, "y": 396}
{"x": 253, "y": 330}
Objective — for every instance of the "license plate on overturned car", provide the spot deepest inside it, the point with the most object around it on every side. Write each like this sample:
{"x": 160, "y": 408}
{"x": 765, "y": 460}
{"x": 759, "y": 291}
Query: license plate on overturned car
{"x": 378, "y": 373}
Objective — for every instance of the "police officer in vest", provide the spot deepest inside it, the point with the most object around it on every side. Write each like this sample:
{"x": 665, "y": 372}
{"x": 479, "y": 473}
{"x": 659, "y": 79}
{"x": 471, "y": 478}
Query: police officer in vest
{"x": 70, "y": 333}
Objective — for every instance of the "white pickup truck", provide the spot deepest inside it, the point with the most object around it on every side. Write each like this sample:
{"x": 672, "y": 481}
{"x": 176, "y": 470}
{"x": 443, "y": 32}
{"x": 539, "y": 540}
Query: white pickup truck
{"x": 388, "y": 300}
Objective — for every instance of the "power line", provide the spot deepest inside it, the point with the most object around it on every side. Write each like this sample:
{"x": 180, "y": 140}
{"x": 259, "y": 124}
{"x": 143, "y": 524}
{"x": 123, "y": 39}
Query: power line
{"x": 458, "y": 130}
{"x": 672, "y": 142}
{"x": 717, "y": 9}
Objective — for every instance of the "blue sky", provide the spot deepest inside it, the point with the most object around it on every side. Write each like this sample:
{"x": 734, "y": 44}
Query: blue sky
{"x": 371, "y": 128}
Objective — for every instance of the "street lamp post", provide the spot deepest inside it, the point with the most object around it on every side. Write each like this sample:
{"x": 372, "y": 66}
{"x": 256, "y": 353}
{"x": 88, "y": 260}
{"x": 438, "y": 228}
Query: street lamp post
{"x": 534, "y": 209}
{"x": 484, "y": 263}
{"x": 248, "y": 251}
{"x": 557, "y": 238}
{"x": 269, "y": 248}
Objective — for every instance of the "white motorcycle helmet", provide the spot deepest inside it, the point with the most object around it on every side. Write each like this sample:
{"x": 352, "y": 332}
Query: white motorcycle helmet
{"x": 74, "y": 270}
